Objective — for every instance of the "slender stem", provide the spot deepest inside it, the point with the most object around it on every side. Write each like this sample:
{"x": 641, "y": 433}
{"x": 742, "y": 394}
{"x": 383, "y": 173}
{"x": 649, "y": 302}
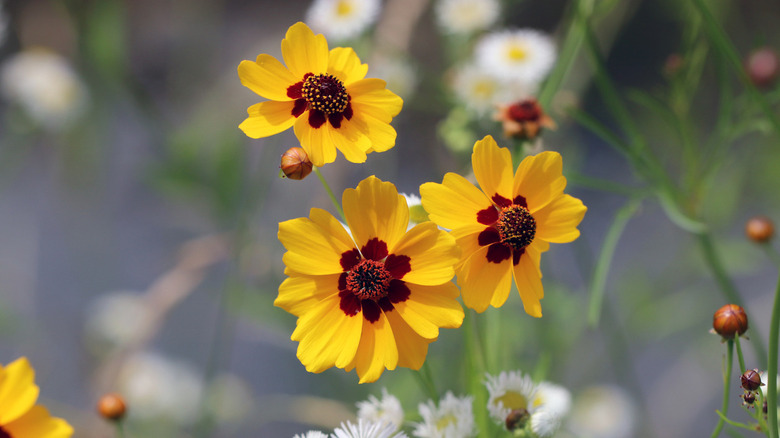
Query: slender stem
{"x": 475, "y": 371}
{"x": 771, "y": 252}
{"x": 771, "y": 388}
{"x": 724, "y": 409}
{"x": 425, "y": 380}
{"x": 740, "y": 357}
{"x": 330, "y": 193}
{"x": 120, "y": 429}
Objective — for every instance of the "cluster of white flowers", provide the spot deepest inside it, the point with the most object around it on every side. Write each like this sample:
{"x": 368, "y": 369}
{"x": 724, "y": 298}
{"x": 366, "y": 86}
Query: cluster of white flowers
{"x": 341, "y": 20}
{"x": 452, "y": 418}
{"x": 363, "y": 429}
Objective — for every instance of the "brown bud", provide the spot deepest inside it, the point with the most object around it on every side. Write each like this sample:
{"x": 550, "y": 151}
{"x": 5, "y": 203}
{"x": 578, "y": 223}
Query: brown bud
{"x": 763, "y": 66}
{"x": 751, "y": 380}
{"x": 296, "y": 164}
{"x": 729, "y": 321}
{"x": 111, "y": 407}
{"x": 517, "y": 419}
{"x": 759, "y": 229}
{"x": 749, "y": 398}
{"x": 524, "y": 119}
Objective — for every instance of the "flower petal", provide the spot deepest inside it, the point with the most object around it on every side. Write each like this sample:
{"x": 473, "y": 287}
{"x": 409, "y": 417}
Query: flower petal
{"x": 454, "y": 203}
{"x": 539, "y": 179}
{"x": 299, "y": 294}
{"x": 492, "y": 168}
{"x": 326, "y": 335}
{"x": 377, "y": 350}
{"x": 267, "y": 77}
{"x": 37, "y": 422}
{"x": 412, "y": 348}
{"x": 380, "y": 134}
{"x": 372, "y": 97}
{"x": 18, "y": 391}
{"x": 351, "y": 142}
{"x": 467, "y": 239}
{"x": 528, "y": 280}
{"x": 268, "y": 118}
{"x": 314, "y": 245}
{"x": 344, "y": 63}
{"x": 317, "y": 142}
{"x": 431, "y": 307}
{"x": 304, "y": 52}
{"x": 433, "y": 254}
{"x": 375, "y": 209}
{"x": 480, "y": 280}
{"x": 557, "y": 222}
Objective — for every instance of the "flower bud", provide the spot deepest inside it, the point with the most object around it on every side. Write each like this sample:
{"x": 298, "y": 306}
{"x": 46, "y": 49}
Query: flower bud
{"x": 759, "y": 229}
{"x": 749, "y": 398}
{"x": 111, "y": 407}
{"x": 751, "y": 380}
{"x": 763, "y": 66}
{"x": 524, "y": 119}
{"x": 296, "y": 164}
{"x": 729, "y": 321}
{"x": 517, "y": 419}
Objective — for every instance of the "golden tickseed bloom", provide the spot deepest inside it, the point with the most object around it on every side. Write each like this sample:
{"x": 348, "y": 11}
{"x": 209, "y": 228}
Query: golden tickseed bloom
{"x": 19, "y": 415}
{"x": 523, "y": 119}
{"x": 503, "y": 228}
{"x": 374, "y": 299}
{"x": 324, "y": 95}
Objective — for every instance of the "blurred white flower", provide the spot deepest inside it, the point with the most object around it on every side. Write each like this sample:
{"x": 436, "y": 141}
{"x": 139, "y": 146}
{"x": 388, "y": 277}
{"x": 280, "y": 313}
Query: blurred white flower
{"x": 385, "y": 410}
{"x": 478, "y": 89}
{"x": 545, "y": 423}
{"x": 115, "y": 320}
{"x": 400, "y": 75}
{"x": 157, "y": 387}
{"x": 366, "y": 429}
{"x": 551, "y": 398}
{"x": 45, "y": 85}
{"x": 603, "y": 412}
{"x": 509, "y": 391}
{"x": 525, "y": 55}
{"x": 342, "y": 19}
{"x": 229, "y": 399}
{"x": 453, "y": 418}
{"x": 466, "y": 16}
{"x": 311, "y": 434}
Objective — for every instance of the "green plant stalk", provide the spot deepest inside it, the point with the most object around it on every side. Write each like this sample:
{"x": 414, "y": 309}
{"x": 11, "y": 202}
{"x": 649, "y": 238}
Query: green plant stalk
{"x": 425, "y": 380}
{"x": 740, "y": 357}
{"x": 727, "y": 287}
{"x": 475, "y": 372}
{"x": 771, "y": 387}
{"x": 330, "y": 194}
{"x": 724, "y": 409}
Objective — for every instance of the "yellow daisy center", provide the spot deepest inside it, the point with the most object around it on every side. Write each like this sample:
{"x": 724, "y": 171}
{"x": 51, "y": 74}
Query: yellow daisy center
{"x": 513, "y": 400}
{"x": 517, "y": 53}
{"x": 445, "y": 421}
{"x": 516, "y": 227}
{"x": 344, "y": 8}
{"x": 326, "y": 93}
{"x": 369, "y": 280}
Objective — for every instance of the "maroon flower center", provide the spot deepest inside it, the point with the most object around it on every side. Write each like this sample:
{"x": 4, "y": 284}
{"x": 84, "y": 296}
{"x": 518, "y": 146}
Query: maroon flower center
{"x": 525, "y": 111}
{"x": 4, "y": 434}
{"x": 369, "y": 280}
{"x": 516, "y": 227}
{"x": 325, "y": 93}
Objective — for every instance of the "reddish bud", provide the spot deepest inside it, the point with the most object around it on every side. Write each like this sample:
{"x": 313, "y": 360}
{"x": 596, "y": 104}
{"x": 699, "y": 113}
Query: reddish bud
{"x": 111, "y": 407}
{"x": 759, "y": 229}
{"x": 763, "y": 66}
{"x": 751, "y": 380}
{"x": 524, "y": 119}
{"x": 517, "y": 419}
{"x": 296, "y": 164}
{"x": 729, "y": 321}
{"x": 749, "y": 398}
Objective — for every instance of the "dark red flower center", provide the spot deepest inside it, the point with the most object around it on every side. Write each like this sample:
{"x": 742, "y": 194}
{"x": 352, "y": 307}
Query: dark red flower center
{"x": 525, "y": 111}
{"x": 510, "y": 228}
{"x": 516, "y": 227}
{"x": 4, "y": 434}
{"x": 325, "y": 93}
{"x": 369, "y": 280}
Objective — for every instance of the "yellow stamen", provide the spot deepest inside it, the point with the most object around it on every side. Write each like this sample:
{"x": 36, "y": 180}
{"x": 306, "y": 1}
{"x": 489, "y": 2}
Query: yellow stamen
{"x": 517, "y": 53}
{"x": 344, "y": 8}
{"x": 513, "y": 400}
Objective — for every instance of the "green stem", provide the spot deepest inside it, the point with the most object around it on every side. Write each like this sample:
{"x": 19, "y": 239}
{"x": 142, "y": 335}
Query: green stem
{"x": 330, "y": 193}
{"x": 726, "y": 389}
{"x": 771, "y": 252}
{"x": 425, "y": 380}
{"x": 771, "y": 389}
{"x": 740, "y": 357}
{"x": 475, "y": 371}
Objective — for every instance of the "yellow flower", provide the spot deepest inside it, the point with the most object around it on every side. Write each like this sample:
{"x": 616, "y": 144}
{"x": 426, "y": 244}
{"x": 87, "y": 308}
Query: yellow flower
{"x": 503, "y": 228}
{"x": 374, "y": 299}
{"x": 20, "y": 416}
{"x": 324, "y": 95}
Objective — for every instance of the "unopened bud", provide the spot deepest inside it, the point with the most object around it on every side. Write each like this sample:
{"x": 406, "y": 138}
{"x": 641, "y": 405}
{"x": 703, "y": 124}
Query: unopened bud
{"x": 524, "y": 119}
{"x": 763, "y": 66}
{"x": 751, "y": 380}
{"x": 111, "y": 407}
{"x": 296, "y": 164}
{"x": 517, "y": 419}
{"x": 759, "y": 229}
{"x": 729, "y": 321}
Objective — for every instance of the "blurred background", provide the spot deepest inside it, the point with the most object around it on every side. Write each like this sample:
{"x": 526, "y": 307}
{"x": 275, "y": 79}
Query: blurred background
{"x": 138, "y": 248}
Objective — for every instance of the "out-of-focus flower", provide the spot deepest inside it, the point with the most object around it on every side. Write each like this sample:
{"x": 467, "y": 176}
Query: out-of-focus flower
{"x": 763, "y": 66}
{"x": 551, "y": 403}
{"x": 417, "y": 213}
{"x": 523, "y": 119}
{"x": 229, "y": 399}
{"x": 760, "y": 229}
{"x": 342, "y": 19}
{"x": 603, "y": 411}
{"x": 729, "y": 321}
{"x": 385, "y": 410}
{"x": 116, "y": 319}
{"x": 111, "y": 407}
{"x": 373, "y": 300}
{"x": 508, "y": 392}
{"x": 158, "y": 387}
{"x": 366, "y": 429}
{"x": 45, "y": 86}
{"x": 20, "y": 416}
{"x": 324, "y": 94}
{"x": 505, "y": 227}
{"x": 523, "y": 54}
{"x": 466, "y": 16}
{"x": 520, "y": 404}
{"x": 453, "y": 418}
{"x": 400, "y": 75}
{"x": 312, "y": 434}
{"x": 295, "y": 164}
{"x": 478, "y": 89}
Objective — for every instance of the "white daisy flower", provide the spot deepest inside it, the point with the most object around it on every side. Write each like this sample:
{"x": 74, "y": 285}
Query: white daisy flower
{"x": 526, "y": 55}
{"x": 603, "y": 411}
{"x": 342, "y": 19}
{"x": 453, "y": 418}
{"x": 311, "y": 434}
{"x": 477, "y": 88}
{"x": 467, "y": 16}
{"x": 366, "y": 429}
{"x": 385, "y": 410}
{"x": 551, "y": 398}
{"x": 115, "y": 320}
{"x": 545, "y": 423}
{"x": 45, "y": 85}
{"x": 509, "y": 391}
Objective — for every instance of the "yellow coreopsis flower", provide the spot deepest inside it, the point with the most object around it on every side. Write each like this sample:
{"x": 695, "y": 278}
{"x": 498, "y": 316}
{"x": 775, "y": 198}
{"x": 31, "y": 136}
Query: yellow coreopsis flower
{"x": 374, "y": 299}
{"x": 20, "y": 417}
{"x": 503, "y": 228}
{"x": 324, "y": 95}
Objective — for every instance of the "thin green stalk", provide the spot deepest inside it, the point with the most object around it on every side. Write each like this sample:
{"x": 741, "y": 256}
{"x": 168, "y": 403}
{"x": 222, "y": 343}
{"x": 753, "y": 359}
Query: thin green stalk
{"x": 475, "y": 371}
{"x": 330, "y": 193}
{"x": 599, "y": 279}
{"x": 740, "y": 357}
{"x": 771, "y": 252}
{"x": 727, "y": 287}
{"x": 724, "y": 409}
{"x": 771, "y": 386}
{"x": 425, "y": 380}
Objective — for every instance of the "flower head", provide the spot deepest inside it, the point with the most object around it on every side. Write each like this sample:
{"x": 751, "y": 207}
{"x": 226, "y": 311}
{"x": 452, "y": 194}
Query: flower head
{"x": 20, "y": 416}
{"x": 466, "y": 16}
{"x": 523, "y": 119}
{"x": 375, "y": 302}
{"x": 322, "y": 94}
{"x": 385, "y": 410}
{"x": 505, "y": 227}
{"x": 342, "y": 19}
{"x": 523, "y": 54}
{"x": 604, "y": 411}
{"x": 509, "y": 392}
{"x": 453, "y": 418}
{"x": 366, "y": 429}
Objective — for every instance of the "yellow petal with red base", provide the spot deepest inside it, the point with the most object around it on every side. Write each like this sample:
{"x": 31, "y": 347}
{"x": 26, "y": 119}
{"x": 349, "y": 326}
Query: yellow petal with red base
{"x": 492, "y": 168}
{"x": 267, "y": 77}
{"x": 454, "y": 203}
{"x": 327, "y": 336}
{"x": 301, "y": 293}
{"x": 268, "y": 118}
{"x": 557, "y": 222}
{"x": 375, "y": 210}
{"x": 304, "y": 52}
{"x": 433, "y": 254}
{"x": 314, "y": 246}
{"x": 430, "y": 308}
{"x": 539, "y": 179}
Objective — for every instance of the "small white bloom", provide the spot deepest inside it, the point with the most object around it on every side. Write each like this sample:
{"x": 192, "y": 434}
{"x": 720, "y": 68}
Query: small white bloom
{"x": 385, "y": 410}
{"x": 116, "y": 319}
{"x": 545, "y": 423}
{"x": 466, "y": 16}
{"x": 509, "y": 391}
{"x": 342, "y": 19}
{"x": 453, "y": 418}
{"x": 311, "y": 434}
{"x": 400, "y": 75}
{"x": 366, "y": 429}
{"x": 551, "y": 398}
{"x": 478, "y": 89}
{"x": 603, "y": 412}
{"x": 526, "y": 55}
{"x": 45, "y": 86}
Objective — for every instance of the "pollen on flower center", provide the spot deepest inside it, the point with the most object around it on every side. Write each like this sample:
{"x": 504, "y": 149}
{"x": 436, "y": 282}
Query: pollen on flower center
{"x": 326, "y": 93}
{"x": 517, "y": 53}
{"x": 344, "y": 8}
{"x": 516, "y": 227}
{"x": 369, "y": 280}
